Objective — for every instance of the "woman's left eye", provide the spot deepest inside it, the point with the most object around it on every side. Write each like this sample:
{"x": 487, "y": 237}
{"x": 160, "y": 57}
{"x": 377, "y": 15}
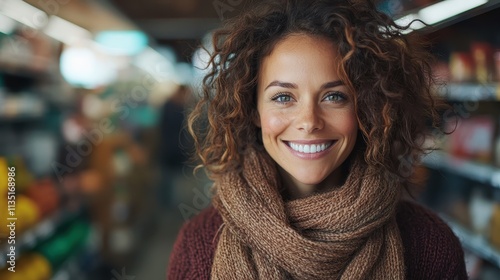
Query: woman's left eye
{"x": 335, "y": 97}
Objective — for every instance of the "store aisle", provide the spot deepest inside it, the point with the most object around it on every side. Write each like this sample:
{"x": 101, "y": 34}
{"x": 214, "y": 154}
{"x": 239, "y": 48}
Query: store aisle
{"x": 157, "y": 248}
{"x": 188, "y": 198}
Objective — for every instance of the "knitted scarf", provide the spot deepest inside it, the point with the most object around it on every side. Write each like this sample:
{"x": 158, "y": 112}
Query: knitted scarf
{"x": 349, "y": 232}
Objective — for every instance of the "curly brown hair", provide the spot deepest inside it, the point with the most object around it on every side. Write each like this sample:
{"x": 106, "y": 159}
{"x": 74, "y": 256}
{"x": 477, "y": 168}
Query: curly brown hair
{"x": 389, "y": 71}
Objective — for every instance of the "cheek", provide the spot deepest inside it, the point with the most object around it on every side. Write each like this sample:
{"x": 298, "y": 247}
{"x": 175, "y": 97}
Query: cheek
{"x": 273, "y": 124}
{"x": 348, "y": 125}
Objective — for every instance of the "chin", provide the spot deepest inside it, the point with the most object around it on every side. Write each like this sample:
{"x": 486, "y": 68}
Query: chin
{"x": 308, "y": 180}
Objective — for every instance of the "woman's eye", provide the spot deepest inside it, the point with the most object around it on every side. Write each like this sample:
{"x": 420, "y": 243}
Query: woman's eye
{"x": 335, "y": 97}
{"x": 282, "y": 98}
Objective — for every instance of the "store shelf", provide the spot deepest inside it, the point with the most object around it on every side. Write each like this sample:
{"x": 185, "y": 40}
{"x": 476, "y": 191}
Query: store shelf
{"x": 26, "y": 106}
{"x": 17, "y": 64}
{"x": 41, "y": 231}
{"x": 476, "y": 171}
{"x": 475, "y": 243}
{"x": 471, "y": 92}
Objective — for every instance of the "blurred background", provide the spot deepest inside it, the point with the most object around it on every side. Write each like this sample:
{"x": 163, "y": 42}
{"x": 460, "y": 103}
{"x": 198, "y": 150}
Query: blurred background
{"x": 93, "y": 99}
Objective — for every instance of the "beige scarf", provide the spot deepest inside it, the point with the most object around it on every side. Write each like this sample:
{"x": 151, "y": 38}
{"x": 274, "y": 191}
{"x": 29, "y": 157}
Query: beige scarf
{"x": 347, "y": 233}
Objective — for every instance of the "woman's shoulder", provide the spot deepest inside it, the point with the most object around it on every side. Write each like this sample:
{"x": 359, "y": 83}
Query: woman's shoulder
{"x": 432, "y": 251}
{"x": 193, "y": 251}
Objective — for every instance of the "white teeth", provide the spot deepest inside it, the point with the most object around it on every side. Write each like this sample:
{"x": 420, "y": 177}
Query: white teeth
{"x": 306, "y": 149}
{"x": 309, "y": 149}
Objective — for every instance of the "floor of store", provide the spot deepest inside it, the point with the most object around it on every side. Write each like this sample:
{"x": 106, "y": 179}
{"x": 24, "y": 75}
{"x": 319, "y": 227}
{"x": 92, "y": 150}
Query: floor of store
{"x": 157, "y": 249}
{"x": 186, "y": 199}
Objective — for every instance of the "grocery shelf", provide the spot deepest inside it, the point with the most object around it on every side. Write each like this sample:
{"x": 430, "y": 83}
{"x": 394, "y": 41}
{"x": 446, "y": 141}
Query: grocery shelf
{"x": 31, "y": 237}
{"x": 22, "y": 107}
{"x": 476, "y": 171}
{"x": 475, "y": 243}
{"x": 470, "y": 92}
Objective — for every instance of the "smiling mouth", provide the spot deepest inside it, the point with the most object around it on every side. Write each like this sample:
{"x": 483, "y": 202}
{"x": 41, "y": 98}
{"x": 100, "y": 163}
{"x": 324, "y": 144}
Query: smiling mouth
{"x": 310, "y": 148}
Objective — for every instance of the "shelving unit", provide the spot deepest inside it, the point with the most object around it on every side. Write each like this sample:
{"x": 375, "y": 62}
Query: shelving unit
{"x": 475, "y": 243}
{"x": 476, "y": 171}
{"x": 470, "y": 92}
{"x": 461, "y": 189}
{"x": 21, "y": 107}
{"x": 41, "y": 231}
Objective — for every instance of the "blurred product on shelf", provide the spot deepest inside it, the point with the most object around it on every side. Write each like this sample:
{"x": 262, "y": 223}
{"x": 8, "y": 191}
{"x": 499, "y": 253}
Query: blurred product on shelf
{"x": 24, "y": 178}
{"x": 496, "y": 56}
{"x": 26, "y": 212}
{"x": 461, "y": 67}
{"x": 497, "y": 145}
{"x": 472, "y": 138}
{"x": 480, "y": 211}
{"x": 3, "y": 176}
{"x": 495, "y": 225}
{"x": 50, "y": 253}
{"x": 31, "y": 266}
{"x": 40, "y": 151}
{"x": 482, "y": 53}
{"x": 45, "y": 195}
{"x": 480, "y": 64}
{"x": 66, "y": 242}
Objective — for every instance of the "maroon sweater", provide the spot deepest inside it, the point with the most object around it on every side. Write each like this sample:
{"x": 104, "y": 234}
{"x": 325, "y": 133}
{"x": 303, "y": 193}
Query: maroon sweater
{"x": 432, "y": 251}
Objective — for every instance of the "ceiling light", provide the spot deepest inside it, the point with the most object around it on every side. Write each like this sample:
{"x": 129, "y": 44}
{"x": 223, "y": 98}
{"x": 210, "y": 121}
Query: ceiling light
{"x": 7, "y": 25}
{"x": 410, "y": 19}
{"x": 446, "y": 9}
{"x": 65, "y": 31}
{"x": 122, "y": 42}
{"x": 24, "y": 13}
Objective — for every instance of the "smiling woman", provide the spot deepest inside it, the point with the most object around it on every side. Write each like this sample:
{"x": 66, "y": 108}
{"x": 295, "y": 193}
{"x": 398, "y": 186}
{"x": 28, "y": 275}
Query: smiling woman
{"x": 308, "y": 125}
{"x": 312, "y": 108}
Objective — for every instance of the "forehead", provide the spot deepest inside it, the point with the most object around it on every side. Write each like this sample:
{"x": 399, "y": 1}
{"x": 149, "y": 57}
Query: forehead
{"x": 300, "y": 54}
{"x": 299, "y": 41}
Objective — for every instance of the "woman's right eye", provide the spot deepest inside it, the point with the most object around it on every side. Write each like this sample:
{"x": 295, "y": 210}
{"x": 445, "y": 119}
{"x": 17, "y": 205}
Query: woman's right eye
{"x": 282, "y": 98}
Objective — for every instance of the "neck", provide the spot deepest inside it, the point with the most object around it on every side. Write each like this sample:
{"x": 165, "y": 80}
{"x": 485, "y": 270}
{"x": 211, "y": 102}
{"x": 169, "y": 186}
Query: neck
{"x": 294, "y": 189}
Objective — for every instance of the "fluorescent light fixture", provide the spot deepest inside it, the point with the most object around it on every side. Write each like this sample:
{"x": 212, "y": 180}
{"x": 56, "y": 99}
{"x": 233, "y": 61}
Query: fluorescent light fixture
{"x": 83, "y": 67}
{"x": 7, "y": 25}
{"x": 404, "y": 21}
{"x": 65, "y": 31}
{"x": 122, "y": 42}
{"x": 446, "y": 9}
{"x": 24, "y": 13}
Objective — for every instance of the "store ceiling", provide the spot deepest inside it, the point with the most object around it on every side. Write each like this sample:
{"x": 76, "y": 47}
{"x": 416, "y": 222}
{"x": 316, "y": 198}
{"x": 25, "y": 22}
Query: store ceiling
{"x": 186, "y": 19}
{"x": 180, "y": 23}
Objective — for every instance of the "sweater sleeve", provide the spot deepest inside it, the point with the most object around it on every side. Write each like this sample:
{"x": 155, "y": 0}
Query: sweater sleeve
{"x": 432, "y": 251}
{"x": 179, "y": 263}
{"x": 193, "y": 251}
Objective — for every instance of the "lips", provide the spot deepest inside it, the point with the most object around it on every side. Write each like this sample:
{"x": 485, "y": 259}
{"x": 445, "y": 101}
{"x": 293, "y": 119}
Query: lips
{"x": 309, "y": 148}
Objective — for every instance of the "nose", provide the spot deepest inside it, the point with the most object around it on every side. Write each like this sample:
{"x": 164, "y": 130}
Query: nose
{"x": 309, "y": 118}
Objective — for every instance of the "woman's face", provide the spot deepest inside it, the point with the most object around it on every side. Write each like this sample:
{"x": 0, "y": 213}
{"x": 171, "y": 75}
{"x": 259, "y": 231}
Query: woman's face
{"x": 306, "y": 114}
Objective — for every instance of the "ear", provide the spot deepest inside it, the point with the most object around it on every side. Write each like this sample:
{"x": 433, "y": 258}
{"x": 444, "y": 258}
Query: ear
{"x": 256, "y": 118}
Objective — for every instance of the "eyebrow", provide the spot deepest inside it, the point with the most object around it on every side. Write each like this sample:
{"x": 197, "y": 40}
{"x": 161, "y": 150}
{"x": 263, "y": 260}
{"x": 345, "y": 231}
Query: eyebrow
{"x": 294, "y": 86}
